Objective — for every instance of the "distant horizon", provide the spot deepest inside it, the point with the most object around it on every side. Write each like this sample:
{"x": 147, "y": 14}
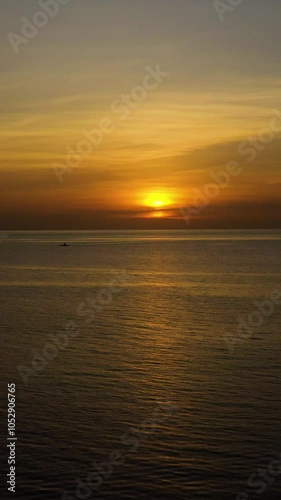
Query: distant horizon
{"x": 7, "y": 231}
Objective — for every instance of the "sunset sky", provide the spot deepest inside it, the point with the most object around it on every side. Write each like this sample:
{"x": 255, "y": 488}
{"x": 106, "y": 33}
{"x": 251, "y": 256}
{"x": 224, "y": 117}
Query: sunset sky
{"x": 220, "y": 89}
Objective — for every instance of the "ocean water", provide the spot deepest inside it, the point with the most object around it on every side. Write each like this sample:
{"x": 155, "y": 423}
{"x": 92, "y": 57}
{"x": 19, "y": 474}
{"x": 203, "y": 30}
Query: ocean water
{"x": 132, "y": 381}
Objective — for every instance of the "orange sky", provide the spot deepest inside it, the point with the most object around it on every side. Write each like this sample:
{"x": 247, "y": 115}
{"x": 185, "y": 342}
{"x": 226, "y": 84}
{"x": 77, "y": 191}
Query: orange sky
{"x": 118, "y": 115}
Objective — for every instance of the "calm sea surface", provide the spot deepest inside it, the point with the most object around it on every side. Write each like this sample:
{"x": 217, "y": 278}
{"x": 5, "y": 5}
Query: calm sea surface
{"x": 151, "y": 394}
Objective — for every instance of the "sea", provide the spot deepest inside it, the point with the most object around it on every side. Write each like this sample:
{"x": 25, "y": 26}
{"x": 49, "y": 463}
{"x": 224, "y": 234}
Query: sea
{"x": 141, "y": 364}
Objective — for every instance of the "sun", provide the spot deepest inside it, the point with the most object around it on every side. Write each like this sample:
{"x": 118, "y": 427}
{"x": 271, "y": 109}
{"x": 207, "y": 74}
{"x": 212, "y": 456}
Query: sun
{"x": 157, "y": 203}
{"x": 157, "y": 200}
